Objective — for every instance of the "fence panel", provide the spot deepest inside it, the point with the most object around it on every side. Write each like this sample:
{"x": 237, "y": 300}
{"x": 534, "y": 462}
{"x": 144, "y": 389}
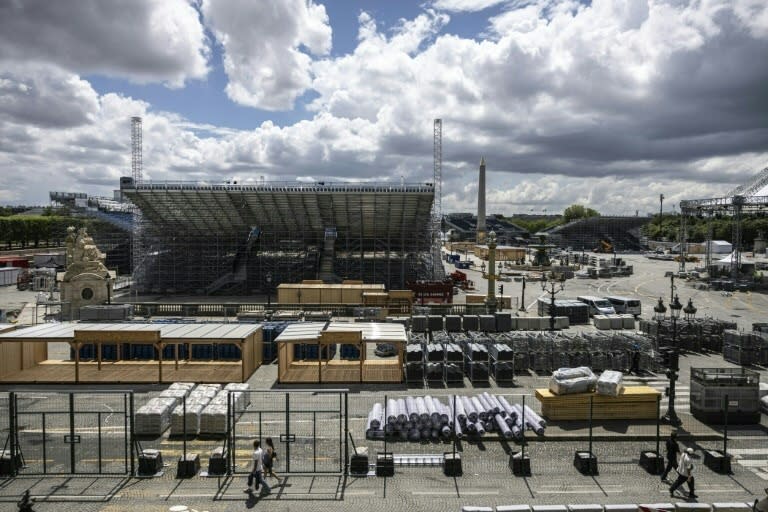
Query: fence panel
{"x": 306, "y": 427}
{"x": 73, "y": 433}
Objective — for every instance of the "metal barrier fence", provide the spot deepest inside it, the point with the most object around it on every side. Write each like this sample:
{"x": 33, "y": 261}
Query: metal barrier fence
{"x": 229, "y": 309}
{"x": 308, "y": 427}
{"x": 54, "y": 433}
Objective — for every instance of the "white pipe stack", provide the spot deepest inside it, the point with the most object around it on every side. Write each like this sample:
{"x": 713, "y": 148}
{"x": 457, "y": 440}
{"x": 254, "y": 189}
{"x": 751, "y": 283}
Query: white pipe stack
{"x": 410, "y": 404}
{"x": 428, "y": 418}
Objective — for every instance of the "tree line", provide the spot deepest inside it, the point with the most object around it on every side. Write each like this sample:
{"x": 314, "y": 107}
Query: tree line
{"x": 35, "y": 230}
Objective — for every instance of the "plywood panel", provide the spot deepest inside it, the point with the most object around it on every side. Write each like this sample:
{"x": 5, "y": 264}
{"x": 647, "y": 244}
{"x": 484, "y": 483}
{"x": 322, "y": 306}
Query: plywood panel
{"x": 10, "y": 358}
{"x": 56, "y": 372}
{"x": 352, "y": 294}
{"x": 310, "y": 295}
{"x": 300, "y": 372}
{"x": 287, "y": 295}
{"x": 634, "y": 402}
{"x": 382, "y": 371}
{"x": 331, "y": 296}
{"x": 341, "y": 372}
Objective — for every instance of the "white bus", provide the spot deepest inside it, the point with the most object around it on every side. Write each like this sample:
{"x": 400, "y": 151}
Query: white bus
{"x": 626, "y": 305}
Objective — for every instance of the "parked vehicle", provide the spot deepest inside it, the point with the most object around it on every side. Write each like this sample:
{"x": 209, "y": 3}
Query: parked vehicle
{"x": 597, "y": 305}
{"x": 625, "y": 305}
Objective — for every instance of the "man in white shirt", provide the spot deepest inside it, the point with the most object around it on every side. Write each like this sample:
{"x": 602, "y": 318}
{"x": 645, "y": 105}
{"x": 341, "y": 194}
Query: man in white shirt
{"x": 685, "y": 474}
{"x": 257, "y": 471}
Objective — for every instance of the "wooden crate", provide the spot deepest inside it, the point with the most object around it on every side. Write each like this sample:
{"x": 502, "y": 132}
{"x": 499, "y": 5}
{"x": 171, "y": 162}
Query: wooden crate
{"x": 633, "y": 403}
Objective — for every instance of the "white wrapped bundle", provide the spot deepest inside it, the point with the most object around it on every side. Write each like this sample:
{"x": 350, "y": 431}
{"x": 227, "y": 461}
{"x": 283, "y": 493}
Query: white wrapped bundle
{"x": 205, "y": 390}
{"x": 186, "y": 386}
{"x": 610, "y": 383}
{"x": 764, "y": 404}
{"x": 178, "y": 394}
{"x": 192, "y": 418}
{"x": 243, "y": 398}
{"x": 572, "y": 380}
{"x": 154, "y": 417}
{"x": 213, "y": 419}
{"x": 571, "y": 373}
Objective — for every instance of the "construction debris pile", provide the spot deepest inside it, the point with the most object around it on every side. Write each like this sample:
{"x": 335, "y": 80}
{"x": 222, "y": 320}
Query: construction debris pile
{"x": 428, "y": 419}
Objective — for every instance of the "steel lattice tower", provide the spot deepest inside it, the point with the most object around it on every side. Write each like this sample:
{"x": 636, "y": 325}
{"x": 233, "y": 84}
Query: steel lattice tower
{"x": 437, "y": 179}
{"x": 137, "y": 174}
{"x": 136, "y": 157}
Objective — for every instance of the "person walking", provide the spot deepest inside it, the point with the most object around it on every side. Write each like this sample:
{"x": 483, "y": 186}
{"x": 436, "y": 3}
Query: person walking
{"x": 257, "y": 471}
{"x": 270, "y": 454}
{"x": 635, "y": 366}
{"x": 673, "y": 451}
{"x": 685, "y": 474}
{"x": 757, "y": 506}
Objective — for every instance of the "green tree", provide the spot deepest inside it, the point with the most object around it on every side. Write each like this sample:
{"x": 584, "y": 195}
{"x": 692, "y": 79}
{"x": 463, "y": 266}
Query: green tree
{"x": 578, "y": 211}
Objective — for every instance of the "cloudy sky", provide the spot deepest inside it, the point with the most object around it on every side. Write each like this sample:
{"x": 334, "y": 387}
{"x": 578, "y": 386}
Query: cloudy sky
{"x": 605, "y": 103}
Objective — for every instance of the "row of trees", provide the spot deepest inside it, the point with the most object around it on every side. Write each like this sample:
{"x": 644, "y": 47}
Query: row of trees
{"x": 34, "y": 230}
{"x": 722, "y": 228}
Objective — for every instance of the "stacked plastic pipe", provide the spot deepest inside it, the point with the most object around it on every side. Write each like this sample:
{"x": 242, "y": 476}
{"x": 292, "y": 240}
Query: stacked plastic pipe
{"x": 427, "y": 418}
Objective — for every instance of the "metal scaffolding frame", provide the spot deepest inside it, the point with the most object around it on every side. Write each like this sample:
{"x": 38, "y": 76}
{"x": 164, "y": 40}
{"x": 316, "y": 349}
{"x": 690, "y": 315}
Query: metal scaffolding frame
{"x": 623, "y": 233}
{"x": 748, "y": 198}
{"x": 214, "y": 239}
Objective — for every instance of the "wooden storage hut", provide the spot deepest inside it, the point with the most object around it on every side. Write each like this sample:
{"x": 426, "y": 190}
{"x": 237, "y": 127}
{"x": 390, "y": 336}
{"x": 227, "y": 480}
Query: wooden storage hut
{"x": 132, "y": 353}
{"x": 308, "y": 352}
{"x": 312, "y": 293}
{"x": 503, "y": 252}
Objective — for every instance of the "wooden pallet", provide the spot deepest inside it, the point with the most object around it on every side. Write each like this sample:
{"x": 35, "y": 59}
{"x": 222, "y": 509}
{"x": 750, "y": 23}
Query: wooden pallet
{"x": 634, "y": 402}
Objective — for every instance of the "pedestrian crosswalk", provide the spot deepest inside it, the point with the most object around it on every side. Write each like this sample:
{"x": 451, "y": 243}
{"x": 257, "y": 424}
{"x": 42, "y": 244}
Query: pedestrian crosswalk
{"x": 682, "y": 393}
{"x": 753, "y": 459}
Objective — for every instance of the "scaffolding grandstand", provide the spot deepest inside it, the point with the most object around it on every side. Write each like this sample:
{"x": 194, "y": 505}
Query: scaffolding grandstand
{"x": 239, "y": 239}
{"x": 620, "y": 233}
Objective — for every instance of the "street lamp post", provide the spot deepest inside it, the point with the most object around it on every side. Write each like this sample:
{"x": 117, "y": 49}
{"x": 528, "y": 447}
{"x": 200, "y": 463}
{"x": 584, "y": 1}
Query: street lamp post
{"x": 268, "y": 279}
{"x": 552, "y": 285}
{"x": 674, "y": 359}
{"x": 522, "y": 299}
{"x": 659, "y": 310}
{"x": 490, "y": 299}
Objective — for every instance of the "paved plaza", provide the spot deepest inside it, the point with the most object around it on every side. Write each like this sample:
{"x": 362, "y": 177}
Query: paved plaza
{"x": 487, "y": 478}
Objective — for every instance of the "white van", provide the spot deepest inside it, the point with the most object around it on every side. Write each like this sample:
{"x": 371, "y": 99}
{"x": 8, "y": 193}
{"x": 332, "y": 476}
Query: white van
{"x": 625, "y": 305}
{"x": 597, "y": 305}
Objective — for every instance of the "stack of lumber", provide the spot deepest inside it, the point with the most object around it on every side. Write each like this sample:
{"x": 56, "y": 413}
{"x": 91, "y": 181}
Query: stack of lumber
{"x": 633, "y": 403}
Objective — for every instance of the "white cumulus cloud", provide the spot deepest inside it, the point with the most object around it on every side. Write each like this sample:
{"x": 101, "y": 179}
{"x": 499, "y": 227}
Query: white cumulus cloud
{"x": 142, "y": 40}
{"x": 267, "y": 46}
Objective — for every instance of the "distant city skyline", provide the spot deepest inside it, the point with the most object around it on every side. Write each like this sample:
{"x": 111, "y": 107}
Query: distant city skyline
{"x": 604, "y": 103}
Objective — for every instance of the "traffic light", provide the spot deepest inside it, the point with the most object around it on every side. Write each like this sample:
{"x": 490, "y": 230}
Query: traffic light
{"x": 501, "y": 289}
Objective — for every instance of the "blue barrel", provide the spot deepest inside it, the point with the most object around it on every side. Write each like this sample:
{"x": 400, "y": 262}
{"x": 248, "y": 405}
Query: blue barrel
{"x": 202, "y": 352}
{"x": 109, "y": 352}
{"x": 168, "y": 351}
